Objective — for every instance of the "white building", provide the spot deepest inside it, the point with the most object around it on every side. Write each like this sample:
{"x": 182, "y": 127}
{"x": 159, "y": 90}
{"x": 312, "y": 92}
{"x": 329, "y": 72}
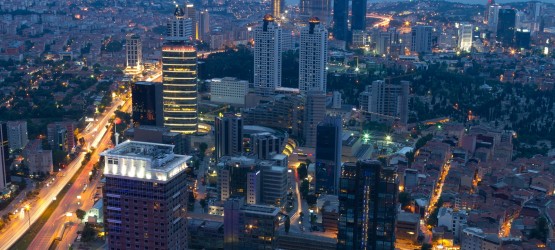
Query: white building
{"x": 473, "y": 238}
{"x": 421, "y": 39}
{"x": 228, "y": 90}
{"x": 313, "y": 57}
{"x": 180, "y": 28}
{"x": 455, "y": 221}
{"x": 134, "y": 53}
{"x": 385, "y": 40}
{"x": 274, "y": 183}
{"x": 17, "y": 134}
{"x": 267, "y": 56}
{"x": 465, "y": 37}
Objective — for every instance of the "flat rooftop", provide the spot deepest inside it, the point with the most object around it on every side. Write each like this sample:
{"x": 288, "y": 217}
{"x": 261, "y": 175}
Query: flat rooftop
{"x": 261, "y": 209}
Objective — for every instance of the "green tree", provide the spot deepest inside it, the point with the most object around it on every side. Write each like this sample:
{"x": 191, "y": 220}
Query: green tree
{"x": 80, "y": 214}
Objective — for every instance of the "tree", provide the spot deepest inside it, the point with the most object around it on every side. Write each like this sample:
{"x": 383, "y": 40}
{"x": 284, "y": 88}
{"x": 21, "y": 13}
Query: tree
{"x": 541, "y": 230}
{"x": 89, "y": 233}
{"x": 302, "y": 171}
{"x": 80, "y": 214}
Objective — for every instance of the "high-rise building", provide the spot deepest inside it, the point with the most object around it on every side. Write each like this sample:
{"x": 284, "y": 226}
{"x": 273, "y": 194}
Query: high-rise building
{"x": 61, "y": 135}
{"x": 134, "y": 53}
{"x": 278, "y": 7}
{"x": 265, "y": 144}
{"x": 4, "y": 155}
{"x": 179, "y": 73}
{"x": 340, "y": 19}
{"x": 421, "y": 39}
{"x": 17, "y": 134}
{"x": 145, "y": 196}
{"x": 486, "y": 12}
{"x": 228, "y": 130}
{"x": 493, "y": 17}
{"x": 313, "y": 57}
{"x": 465, "y": 37}
{"x": 147, "y": 104}
{"x": 320, "y": 9}
{"x": 358, "y": 17}
{"x": 385, "y": 40}
{"x": 203, "y": 25}
{"x": 180, "y": 27}
{"x": 267, "y": 56}
{"x": 367, "y": 206}
{"x": 315, "y": 111}
{"x": 506, "y": 27}
{"x": 191, "y": 13}
{"x": 328, "y": 155}
{"x": 273, "y": 188}
{"x": 248, "y": 226}
{"x": 239, "y": 177}
{"x": 386, "y": 102}
{"x": 522, "y": 38}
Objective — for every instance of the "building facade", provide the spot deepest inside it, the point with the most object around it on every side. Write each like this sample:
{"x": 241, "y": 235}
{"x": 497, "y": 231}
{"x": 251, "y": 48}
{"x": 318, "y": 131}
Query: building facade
{"x": 340, "y": 19}
{"x": 133, "y": 53}
{"x": 228, "y": 90}
{"x": 315, "y": 112}
{"x": 180, "y": 90}
{"x": 4, "y": 155}
{"x": 465, "y": 37}
{"x": 228, "y": 130}
{"x": 506, "y": 27}
{"x": 313, "y": 57}
{"x": 145, "y": 197}
{"x": 147, "y": 104}
{"x": 367, "y": 206}
{"x": 250, "y": 226}
{"x": 358, "y": 17}
{"x": 17, "y": 134}
{"x": 421, "y": 39}
{"x": 267, "y": 56}
{"x": 328, "y": 155}
{"x": 180, "y": 27}
{"x": 385, "y": 102}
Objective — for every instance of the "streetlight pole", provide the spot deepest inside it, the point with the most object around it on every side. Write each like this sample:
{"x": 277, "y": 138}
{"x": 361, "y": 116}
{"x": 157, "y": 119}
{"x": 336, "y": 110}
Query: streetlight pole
{"x": 28, "y": 210}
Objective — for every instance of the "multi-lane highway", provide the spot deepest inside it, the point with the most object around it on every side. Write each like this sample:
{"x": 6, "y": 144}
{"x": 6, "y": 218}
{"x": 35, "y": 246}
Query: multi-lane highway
{"x": 47, "y": 194}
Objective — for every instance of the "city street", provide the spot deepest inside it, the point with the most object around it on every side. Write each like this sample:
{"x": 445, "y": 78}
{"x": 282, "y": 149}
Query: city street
{"x": 46, "y": 195}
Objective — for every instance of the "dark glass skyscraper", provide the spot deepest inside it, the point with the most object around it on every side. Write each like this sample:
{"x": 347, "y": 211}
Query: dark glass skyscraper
{"x": 340, "y": 15}
{"x": 147, "y": 104}
{"x": 328, "y": 155}
{"x": 358, "y": 17}
{"x": 4, "y": 154}
{"x": 229, "y": 135}
{"x": 506, "y": 27}
{"x": 367, "y": 206}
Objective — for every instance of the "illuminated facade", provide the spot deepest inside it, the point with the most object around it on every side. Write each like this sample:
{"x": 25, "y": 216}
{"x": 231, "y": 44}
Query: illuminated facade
{"x": 465, "y": 37}
{"x": 134, "y": 53}
{"x": 367, "y": 206}
{"x": 179, "y": 72}
{"x": 145, "y": 185}
{"x": 180, "y": 27}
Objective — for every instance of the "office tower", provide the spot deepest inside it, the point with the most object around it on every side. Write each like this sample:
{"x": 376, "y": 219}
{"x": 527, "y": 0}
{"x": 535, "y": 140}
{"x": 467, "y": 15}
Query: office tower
{"x": 340, "y": 17}
{"x": 191, "y": 13}
{"x": 264, "y": 145}
{"x": 486, "y": 12}
{"x": 315, "y": 111}
{"x": 145, "y": 196}
{"x": 17, "y": 134}
{"x": 320, "y": 9}
{"x": 421, "y": 39}
{"x": 385, "y": 40}
{"x": 493, "y": 17}
{"x": 273, "y": 188}
{"x": 180, "y": 27}
{"x": 179, "y": 73}
{"x": 61, "y": 135}
{"x": 147, "y": 104}
{"x": 358, "y": 17}
{"x": 239, "y": 177}
{"x": 313, "y": 57}
{"x": 134, "y": 53}
{"x": 278, "y": 7}
{"x": 367, "y": 206}
{"x": 535, "y": 10}
{"x": 249, "y": 226}
{"x": 506, "y": 27}
{"x": 267, "y": 56}
{"x": 386, "y": 102}
{"x": 4, "y": 155}
{"x": 465, "y": 37}
{"x": 522, "y": 38}
{"x": 328, "y": 155}
{"x": 203, "y": 25}
{"x": 229, "y": 135}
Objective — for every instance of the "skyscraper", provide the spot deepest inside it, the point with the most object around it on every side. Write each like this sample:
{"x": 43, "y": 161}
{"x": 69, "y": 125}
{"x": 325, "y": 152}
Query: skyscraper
{"x": 522, "y": 38}
{"x": 340, "y": 17}
{"x": 4, "y": 154}
{"x": 145, "y": 197}
{"x": 493, "y": 17}
{"x": 320, "y": 9}
{"x": 180, "y": 27}
{"x": 17, "y": 134}
{"x": 203, "y": 25}
{"x": 267, "y": 56}
{"x": 506, "y": 27}
{"x": 367, "y": 206}
{"x": 358, "y": 17}
{"x": 229, "y": 135}
{"x": 179, "y": 73}
{"x": 486, "y": 12}
{"x": 315, "y": 111}
{"x": 421, "y": 39}
{"x": 134, "y": 53}
{"x": 191, "y": 13}
{"x": 147, "y": 104}
{"x": 313, "y": 57}
{"x": 465, "y": 37}
{"x": 278, "y": 7}
{"x": 328, "y": 155}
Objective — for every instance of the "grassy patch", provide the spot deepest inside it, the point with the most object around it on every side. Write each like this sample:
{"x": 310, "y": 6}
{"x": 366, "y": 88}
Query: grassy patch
{"x": 27, "y": 238}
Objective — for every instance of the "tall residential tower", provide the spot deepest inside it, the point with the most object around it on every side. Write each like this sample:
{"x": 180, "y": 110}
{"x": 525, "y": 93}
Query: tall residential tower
{"x": 313, "y": 57}
{"x": 267, "y": 56}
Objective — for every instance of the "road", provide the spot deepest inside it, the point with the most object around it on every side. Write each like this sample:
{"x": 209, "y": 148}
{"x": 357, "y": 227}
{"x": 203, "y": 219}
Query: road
{"x": 385, "y": 19}
{"x": 46, "y": 195}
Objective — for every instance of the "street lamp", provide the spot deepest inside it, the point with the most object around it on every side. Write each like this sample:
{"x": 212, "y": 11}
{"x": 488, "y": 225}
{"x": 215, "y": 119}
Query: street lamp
{"x": 28, "y": 209}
